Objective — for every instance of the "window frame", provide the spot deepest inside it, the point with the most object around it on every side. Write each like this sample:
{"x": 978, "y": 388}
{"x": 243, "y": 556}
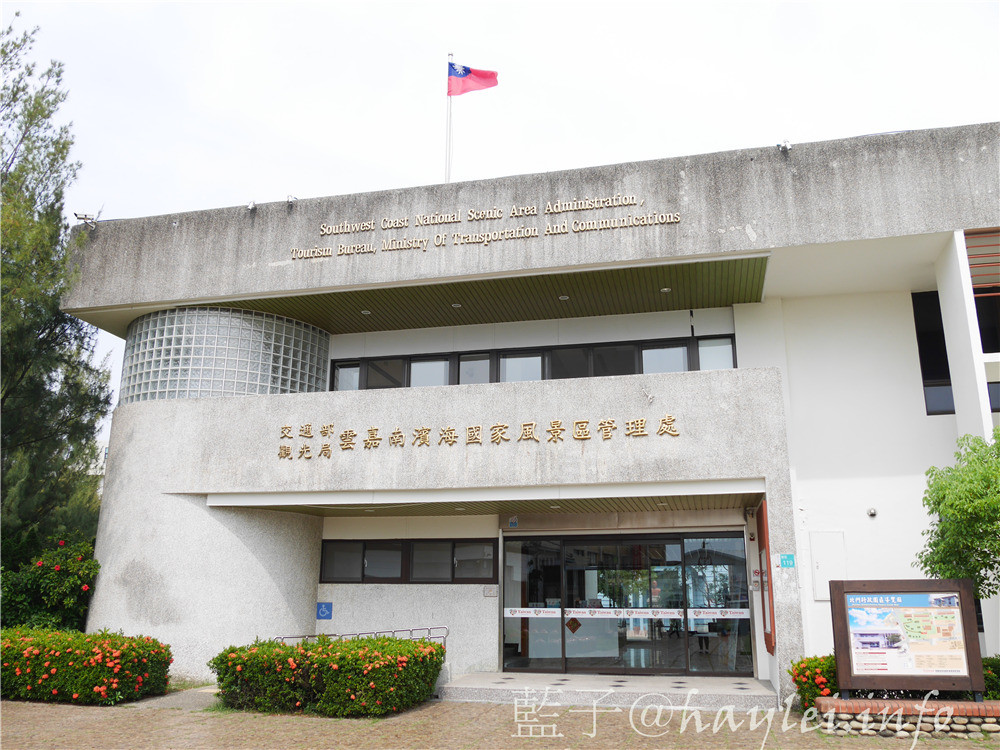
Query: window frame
{"x": 406, "y": 562}
{"x": 690, "y": 343}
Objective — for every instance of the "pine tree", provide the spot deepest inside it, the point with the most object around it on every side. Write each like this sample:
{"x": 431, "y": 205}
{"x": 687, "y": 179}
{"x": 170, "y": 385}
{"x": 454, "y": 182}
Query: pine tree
{"x": 52, "y": 397}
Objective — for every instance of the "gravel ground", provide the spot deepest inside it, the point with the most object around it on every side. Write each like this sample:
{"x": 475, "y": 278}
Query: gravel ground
{"x": 193, "y": 719}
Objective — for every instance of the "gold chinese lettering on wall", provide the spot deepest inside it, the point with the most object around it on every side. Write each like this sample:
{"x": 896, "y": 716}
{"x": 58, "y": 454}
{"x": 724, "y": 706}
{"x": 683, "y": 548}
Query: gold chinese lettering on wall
{"x": 345, "y": 438}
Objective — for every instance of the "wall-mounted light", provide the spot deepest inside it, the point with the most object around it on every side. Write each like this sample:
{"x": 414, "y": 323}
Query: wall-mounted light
{"x": 251, "y": 205}
{"x": 872, "y": 512}
{"x": 291, "y": 199}
{"x": 87, "y": 219}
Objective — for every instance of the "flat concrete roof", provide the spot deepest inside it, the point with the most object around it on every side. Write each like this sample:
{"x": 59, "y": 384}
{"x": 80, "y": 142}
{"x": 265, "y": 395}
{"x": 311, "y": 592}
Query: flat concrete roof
{"x": 609, "y": 238}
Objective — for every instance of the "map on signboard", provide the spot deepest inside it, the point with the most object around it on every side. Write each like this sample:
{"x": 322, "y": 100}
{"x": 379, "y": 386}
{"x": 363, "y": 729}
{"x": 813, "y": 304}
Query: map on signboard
{"x": 906, "y": 634}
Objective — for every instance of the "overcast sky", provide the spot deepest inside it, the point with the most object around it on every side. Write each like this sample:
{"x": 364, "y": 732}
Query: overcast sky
{"x": 180, "y": 106}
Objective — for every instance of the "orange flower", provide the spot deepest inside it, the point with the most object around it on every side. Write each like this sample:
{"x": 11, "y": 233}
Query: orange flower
{"x": 825, "y": 691}
{"x": 239, "y": 667}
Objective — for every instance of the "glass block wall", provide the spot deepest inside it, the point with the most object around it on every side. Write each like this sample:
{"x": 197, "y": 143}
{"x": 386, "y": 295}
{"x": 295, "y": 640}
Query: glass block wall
{"x": 198, "y": 352}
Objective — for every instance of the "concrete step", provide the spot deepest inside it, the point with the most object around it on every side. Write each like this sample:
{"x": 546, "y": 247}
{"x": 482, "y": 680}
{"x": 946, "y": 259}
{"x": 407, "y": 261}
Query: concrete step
{"x": 704, "y": 693}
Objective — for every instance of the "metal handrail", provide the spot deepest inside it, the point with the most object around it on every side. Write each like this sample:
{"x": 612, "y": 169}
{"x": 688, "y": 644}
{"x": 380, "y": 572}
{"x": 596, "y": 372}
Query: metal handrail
{"x": 437, "y": 633}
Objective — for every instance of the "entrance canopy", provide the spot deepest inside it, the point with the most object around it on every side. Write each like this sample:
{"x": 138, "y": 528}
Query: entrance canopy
{"x": 567, "y": 499}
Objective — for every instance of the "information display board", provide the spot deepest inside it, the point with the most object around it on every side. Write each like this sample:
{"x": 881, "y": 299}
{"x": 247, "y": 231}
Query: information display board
{"x": 906, "y": 635}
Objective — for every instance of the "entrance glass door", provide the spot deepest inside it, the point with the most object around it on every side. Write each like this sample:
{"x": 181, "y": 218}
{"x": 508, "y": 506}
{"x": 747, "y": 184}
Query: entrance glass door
{"x": 718, "y": 606}
{"x": 532, "y": 594}
{"x": 598, "y": 588}
{"x": 627, "y": 605}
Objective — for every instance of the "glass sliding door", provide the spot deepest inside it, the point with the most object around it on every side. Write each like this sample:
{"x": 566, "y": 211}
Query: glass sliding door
{"x": 594, "y": 607}
{"x": 718, "y": 604}
{"x": 624, "y": 608}
{"x": 532, "y": 614}
{"x": 667, "y": 602}
{"x": 627, "y": 605}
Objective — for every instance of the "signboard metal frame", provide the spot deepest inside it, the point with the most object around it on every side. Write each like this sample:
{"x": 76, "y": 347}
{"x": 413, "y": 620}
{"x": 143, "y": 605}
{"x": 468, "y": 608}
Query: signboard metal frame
{"x": 848, "y": 679}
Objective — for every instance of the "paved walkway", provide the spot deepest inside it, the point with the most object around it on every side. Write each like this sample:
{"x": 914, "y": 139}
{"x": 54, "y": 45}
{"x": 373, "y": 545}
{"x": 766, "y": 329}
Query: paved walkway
{"x": 193, "y": 719}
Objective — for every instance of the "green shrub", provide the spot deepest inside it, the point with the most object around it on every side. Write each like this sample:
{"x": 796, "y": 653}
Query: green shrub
{"x": 103, "y": 668}
{"x": 52, "y": 590}
{"x": 991, "y": 671}
{"x": 363, "y": 677}
{"x": 817, "y": 675}
{"x": 814, "y": 676}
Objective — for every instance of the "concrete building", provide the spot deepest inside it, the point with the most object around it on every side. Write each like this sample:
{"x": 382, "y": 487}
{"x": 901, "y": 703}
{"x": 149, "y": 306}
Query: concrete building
{"x": 624, "y": 419}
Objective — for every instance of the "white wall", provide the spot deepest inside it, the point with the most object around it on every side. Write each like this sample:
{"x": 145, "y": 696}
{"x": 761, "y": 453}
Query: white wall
{"x": 471, "y": 612}
{"x": 858, "y": 432}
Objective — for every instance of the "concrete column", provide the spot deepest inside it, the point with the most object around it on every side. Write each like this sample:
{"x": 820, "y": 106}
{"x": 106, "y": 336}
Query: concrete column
{"x": 961, "y": 334}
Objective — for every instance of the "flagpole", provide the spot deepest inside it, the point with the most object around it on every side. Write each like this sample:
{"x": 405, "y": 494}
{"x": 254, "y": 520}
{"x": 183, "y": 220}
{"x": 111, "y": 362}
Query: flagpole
{"x": 447, "y": 140}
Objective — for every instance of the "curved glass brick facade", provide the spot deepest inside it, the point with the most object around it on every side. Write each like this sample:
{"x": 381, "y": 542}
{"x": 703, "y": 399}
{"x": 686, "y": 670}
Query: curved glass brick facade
{"x": 198, "y": 352}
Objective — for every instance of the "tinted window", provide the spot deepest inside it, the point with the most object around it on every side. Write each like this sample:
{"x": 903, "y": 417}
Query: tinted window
{"x": 386, "y": 373}
{"x": 939, "y": 399}
{"x": 383, "y": 561}
{"x": 988, "y": 312}
{"x": 432, "y": 561}
{"x": 341, "y": 561}
{"x": 618, "y": 359}
{"x": 930, "y": 337}
{"x": 569, "y": 363}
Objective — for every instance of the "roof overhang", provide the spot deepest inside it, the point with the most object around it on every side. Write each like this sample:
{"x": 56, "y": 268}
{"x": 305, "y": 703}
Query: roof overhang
{"x": 688, "y": 285}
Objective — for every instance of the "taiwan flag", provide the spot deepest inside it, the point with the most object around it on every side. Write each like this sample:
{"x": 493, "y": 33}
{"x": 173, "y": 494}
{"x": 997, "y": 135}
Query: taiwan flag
{"x": 462, "y": 79}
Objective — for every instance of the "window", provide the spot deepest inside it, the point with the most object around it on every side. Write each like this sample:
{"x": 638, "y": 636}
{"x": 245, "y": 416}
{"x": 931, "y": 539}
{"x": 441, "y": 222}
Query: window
{"x": 938, "y": 397}
{"x": 570, "y": 362}
{"x": 342, "y": 561}
{"x": 475, "y": 562}
{"x": 386, "y": 373}
{"x": 412, "y": 561}
{"x": 345, "y": 377}
{"x": 715, "y": 354}
{"x": 664, "y": 359}
{"x": 432, "y": 561}
{"x": 616, "y": 359}
{"x": 383, "y": 562}
{"x": 553, "y": 363}
{"x": 474, "y": 368}
{"x": 429, "y": 372}
{"x": 517, "y": 368}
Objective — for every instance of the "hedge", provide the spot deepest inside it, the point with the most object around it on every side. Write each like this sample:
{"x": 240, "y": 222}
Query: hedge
{"x": 362, "y": 677}
{"x": 73, "y": 667}
{"x": 816, "y": 676}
